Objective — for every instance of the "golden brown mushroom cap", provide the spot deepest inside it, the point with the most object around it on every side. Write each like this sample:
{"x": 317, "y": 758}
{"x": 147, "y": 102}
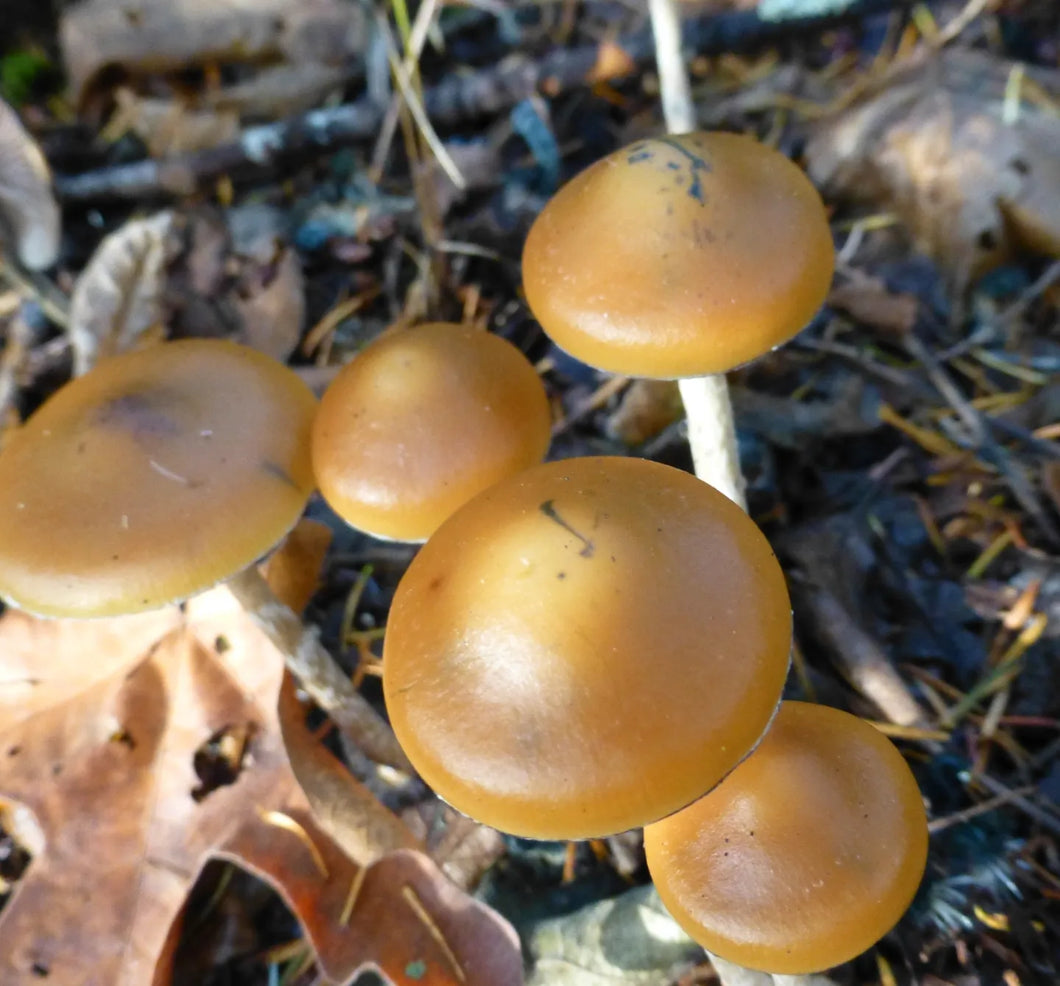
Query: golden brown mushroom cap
{"x": 586, "y": 647}
{"x": 157, "y": 474}
{"x": 679, "y": 256}
{"x": 420, "y": 422}
{"x": 805, "y": 855}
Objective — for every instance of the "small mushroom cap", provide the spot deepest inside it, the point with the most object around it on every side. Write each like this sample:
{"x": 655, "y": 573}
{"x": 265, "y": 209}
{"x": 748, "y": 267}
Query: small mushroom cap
{"x": 154, "y": 476}
{"x": 679, "y": 256}
{"x": 586, "y": 647}
{"x": 420, "y": 422}
{"x": 805, "y": 855}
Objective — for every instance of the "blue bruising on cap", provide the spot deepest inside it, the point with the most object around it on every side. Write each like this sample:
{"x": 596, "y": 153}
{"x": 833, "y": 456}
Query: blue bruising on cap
{"x": 698, "y": 166}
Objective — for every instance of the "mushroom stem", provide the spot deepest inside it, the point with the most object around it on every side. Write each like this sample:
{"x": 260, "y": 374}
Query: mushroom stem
{"x": 712, "y": 434}
{"x": 317, "y": 671}
{"x": 731, "y": 974}
{"x": 711, "y": 430}
{"x": 711, "y": 427}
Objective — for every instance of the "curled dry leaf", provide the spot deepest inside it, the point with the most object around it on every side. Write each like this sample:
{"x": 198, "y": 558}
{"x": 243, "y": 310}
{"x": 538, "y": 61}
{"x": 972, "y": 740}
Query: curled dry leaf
{"x": 270, "y": 302}
{"x": 108, "y": 38}
{"x": 119, "y": 296}
{"x": 972, "y": 172}
{"x": 646, "y": 408}
{"x": 28, "y": 210}
{"x": 107, "y": 792}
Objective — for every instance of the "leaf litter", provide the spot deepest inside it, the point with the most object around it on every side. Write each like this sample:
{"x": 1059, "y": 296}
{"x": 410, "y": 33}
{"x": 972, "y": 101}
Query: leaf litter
{"x": 120, "y": 824}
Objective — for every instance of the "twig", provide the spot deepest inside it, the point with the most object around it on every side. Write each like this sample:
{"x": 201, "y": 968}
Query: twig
{"x": 860, "y": 659}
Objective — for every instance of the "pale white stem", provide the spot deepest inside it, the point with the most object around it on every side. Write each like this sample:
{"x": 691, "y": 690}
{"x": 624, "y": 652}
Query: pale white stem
{"x": 678, "y": 111}
{"x": 731, "y": 974}
{"x": 326, "y": 683}
{"x": 711, "y": 431}
{"x": 712, "y": 435}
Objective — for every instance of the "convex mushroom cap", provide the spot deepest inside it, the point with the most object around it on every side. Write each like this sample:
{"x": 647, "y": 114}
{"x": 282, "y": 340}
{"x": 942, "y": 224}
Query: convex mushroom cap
{"x": 679, "y": 256}
{"x": 421, "y": 421}
{"x": 805, "y": 855}
{"x": 152, "y": 477}
{"x": 586, "y": 647}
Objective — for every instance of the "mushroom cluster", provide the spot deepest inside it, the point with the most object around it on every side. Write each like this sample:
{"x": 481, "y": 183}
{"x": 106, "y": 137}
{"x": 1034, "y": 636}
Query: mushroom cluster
{"x": 594, "y": 644}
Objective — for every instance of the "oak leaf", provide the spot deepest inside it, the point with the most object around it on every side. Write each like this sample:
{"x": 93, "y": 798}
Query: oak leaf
{"x": 104, "y": 791}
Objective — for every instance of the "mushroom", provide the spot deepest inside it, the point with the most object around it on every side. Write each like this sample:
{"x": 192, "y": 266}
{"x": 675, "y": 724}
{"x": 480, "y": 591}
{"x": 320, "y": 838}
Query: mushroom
{"x": 805, "y": 855}
{"x": 421, "y": 421}
{"x": 586, "y": 647}
{"x": 156, "y": 475}
{"x": 682, "y": 256}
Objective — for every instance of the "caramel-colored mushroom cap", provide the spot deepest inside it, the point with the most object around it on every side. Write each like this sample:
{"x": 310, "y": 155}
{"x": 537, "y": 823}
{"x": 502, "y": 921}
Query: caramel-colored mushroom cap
{"x": 586, "y": 647}
{"x": 805, "y": 855}
{"x": 420, "y": 422}
{"x": 679, "y": 256}
{"x": 157, "y": 474}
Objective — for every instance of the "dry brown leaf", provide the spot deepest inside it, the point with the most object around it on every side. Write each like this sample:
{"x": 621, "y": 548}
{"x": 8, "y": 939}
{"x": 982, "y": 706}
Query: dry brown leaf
{"x": 103, "y": 39}
{"x": 46, "y": 662}
{"x": 118, "y": 299}
{"x": 646, "y": 408}
{"x": 28, "y": 210}
{"x": 105, "y": 783}
{"x": 343, "y": 807}
{"x": 270, "y": 302}
{"x": 293, "y": 570}
{"x": 931, "y": 142}
{"x": 170, "y": 126}
{"x": 869, "y": 302}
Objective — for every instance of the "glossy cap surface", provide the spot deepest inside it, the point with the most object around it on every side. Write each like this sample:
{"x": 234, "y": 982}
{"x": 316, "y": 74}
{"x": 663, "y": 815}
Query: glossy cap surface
{"x": 679, "y": 256}
{"x": 804, "y": 856}
{"x": 155, "y": 475}
{"x": 586, "y": 647}
{"x": 420, "y": 422}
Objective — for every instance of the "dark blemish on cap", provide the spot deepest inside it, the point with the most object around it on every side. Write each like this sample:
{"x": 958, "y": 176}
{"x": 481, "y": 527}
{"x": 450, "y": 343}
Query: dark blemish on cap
{"x": 278, "y": 472}
{"x": 139, "y": 414}
{"x": 548, "y": 508}
{"x": 561, "y": 575}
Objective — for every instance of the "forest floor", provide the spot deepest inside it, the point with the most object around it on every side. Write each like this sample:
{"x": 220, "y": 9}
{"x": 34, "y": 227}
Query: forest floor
{"x": 256, "y": 173}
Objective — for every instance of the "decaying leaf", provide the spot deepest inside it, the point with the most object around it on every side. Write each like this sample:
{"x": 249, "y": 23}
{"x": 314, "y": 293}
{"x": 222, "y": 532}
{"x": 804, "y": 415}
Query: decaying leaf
{"x": 269, "y": 299}
{"x": 118, "y": 298}
{"x": 169, "y": 126}
{"x": 971, "y": 169}
{"x": 46, "y": 662}
{"x": 869, "y": 302}
{"x": 108, "y": 39}
{"x": 28, "y": 210}
{"x": 646, "y": 408}
{"x": 629, "y": 940}
{"x": 293, "y": 571}
{"x": 115, "y": 796}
